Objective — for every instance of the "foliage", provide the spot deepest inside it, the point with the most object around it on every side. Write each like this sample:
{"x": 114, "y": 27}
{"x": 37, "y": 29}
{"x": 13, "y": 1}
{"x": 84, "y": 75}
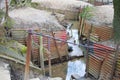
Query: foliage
{"x": 16, "y": 46}
{"x": 86, "y": 12}
{"x": 34, "y": 4}
{"x": 8, "y": 23}
{"x": 20, "y": 3}
{"x": 2, "y": 14}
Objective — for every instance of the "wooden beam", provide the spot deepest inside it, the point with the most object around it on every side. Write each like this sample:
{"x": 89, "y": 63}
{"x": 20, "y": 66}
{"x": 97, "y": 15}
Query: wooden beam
{"x": 49, "y": 60}
{"x": 42, "y": 55}
{"x": 56, "y": 45}
{"x": 28, "y": 56}
{"x": 87, "y": 53}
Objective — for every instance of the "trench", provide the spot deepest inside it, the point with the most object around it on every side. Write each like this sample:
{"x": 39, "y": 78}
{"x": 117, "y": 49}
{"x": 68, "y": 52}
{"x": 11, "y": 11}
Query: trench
{"x": 76, "y": 65}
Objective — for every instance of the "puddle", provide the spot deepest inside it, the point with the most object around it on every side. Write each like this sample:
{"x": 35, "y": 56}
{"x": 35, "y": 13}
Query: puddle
{"x": 75, "y": 67}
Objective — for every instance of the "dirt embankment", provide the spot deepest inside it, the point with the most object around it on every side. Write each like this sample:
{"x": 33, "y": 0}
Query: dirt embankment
{"x": 29, "y": 17}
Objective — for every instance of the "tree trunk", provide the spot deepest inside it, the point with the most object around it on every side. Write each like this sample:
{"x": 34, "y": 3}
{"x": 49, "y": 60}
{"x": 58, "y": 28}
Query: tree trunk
{"x": 6, "y": 3}
{"x": 116, "y": 21}
{"x": 116, "y": 31}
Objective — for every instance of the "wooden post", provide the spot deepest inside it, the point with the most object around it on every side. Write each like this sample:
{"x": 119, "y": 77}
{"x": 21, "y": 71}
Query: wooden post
{"x": 28, "y": 55}
{"x": 87, "y": 53}
{"x": 82, "y": 22}
{"x": 41, "y": 55}
{"x": 79, "y": 21}
{"x": 56, "y": 45}
{"x": 49, "y": 58}
{"x": 115, "y": 61}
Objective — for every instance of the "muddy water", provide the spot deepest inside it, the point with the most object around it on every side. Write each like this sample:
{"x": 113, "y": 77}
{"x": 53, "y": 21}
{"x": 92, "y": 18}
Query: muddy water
{"x": 65, "y": 70}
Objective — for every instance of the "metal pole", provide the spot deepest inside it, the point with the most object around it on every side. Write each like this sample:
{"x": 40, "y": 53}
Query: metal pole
{"x": 28, "y": 56}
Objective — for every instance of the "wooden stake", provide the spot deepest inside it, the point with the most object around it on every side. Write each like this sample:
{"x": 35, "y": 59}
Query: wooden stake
{"x": 28, "y": 55}
{"x": 87, "y": 53}
{"x": 80, "y": 21}
{"x": 41, "y": 55}
{"x": 56, "y": 45}
{"x": 49, "y": 60}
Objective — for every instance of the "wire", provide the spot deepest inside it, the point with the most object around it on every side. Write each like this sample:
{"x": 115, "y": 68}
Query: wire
{"x": 85, "y": 46}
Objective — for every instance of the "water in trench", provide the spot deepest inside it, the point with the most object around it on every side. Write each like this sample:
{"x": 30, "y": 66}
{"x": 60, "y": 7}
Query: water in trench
{"x": 76, "y": 67}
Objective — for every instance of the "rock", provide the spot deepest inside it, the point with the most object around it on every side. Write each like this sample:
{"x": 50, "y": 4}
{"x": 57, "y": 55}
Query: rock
{"x": 70, "y": 49}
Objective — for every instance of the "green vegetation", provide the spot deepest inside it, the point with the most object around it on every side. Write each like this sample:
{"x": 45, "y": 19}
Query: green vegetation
{"x": 20, "y": 3}
{"x": 34, "y": 4}
{"x": 15, "y": 46}
{"x": 8, "y": 23}
{"x": 86, "y": 12}
{"x": 2, "y": 14}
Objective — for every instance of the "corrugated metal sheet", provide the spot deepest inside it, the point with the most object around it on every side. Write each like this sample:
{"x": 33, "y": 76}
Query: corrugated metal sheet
{"x": 95, "y": 64}
{"x": 20, "y": 36}
{"x": 103, "y": 32}
{"x": 100, "y": 63}
{"x": 107, "y": 68}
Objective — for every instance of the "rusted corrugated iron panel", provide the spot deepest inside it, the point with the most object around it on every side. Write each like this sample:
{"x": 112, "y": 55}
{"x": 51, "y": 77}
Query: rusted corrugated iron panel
{"x": 116, "y": 78}
{"x": 108, "y": 56}
{"x": 95, "y": 64}
{"x": 20, "y": 35}
{"x": 103, "y": 32}
{"x": 107, "y": 67}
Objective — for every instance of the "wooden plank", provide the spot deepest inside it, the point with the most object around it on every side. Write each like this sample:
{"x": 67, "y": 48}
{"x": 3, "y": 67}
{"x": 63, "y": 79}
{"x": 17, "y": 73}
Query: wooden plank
{"x": 28, "y": 55}
{"x": 56, "y": 45}
{"x": 42, "y": 55}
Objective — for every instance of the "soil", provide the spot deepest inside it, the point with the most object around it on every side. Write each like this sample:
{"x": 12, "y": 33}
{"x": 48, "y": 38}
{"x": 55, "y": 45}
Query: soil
{"x": 40, "y": 18}
{"x": 62, "y": 4}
